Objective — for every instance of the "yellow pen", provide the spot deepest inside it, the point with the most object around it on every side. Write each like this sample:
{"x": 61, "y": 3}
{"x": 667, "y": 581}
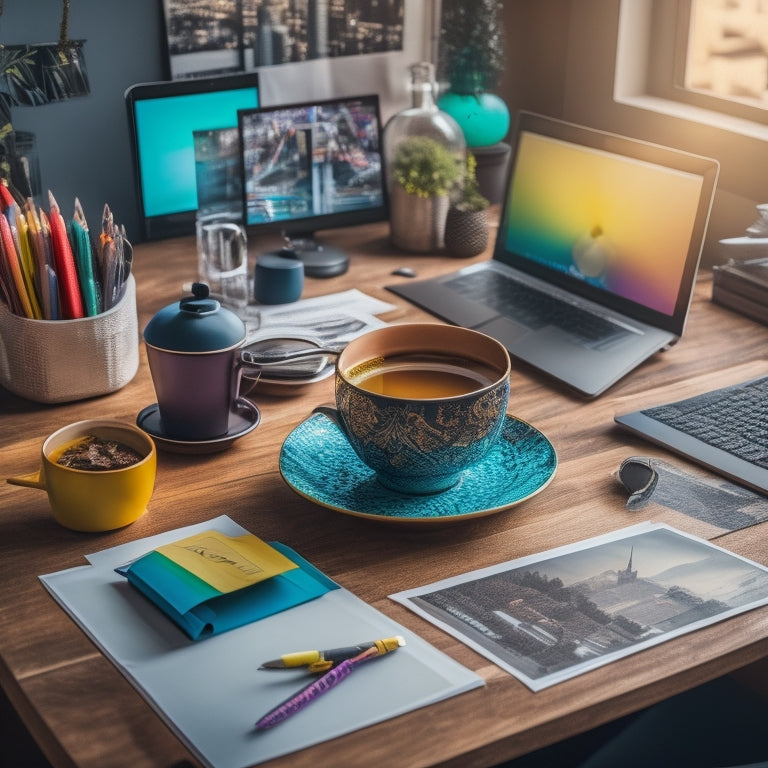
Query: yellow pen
{"x": 321, "y": 661}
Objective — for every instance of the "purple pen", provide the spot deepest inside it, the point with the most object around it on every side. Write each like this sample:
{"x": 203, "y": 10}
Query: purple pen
{"x": 320, "y": 686}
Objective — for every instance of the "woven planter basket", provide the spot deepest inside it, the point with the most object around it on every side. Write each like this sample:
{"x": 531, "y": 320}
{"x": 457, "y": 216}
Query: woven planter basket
{"x": 466, "y": 233}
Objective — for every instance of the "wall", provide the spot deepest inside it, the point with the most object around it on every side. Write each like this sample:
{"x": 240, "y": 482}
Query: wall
{"x": 561, "y": 60}
{"x": 536, "y": 48}
{"x": 83, "y": 143}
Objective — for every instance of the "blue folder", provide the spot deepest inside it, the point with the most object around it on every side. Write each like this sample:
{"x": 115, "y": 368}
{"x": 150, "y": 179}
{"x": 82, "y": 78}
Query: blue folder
{"x": 202, "y": 611}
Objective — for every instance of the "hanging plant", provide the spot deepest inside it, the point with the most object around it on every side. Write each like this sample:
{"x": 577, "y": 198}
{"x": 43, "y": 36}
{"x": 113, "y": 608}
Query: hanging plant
{"x": 32, "y": 75}
{"x": 19, "y": 84}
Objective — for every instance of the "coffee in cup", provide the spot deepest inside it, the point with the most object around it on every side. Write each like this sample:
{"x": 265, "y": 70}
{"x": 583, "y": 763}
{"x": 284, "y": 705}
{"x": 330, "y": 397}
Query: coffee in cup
{"x": 107, "y": 485}
{"x": 422, "y": 376}
{"x": 421, "y": 402}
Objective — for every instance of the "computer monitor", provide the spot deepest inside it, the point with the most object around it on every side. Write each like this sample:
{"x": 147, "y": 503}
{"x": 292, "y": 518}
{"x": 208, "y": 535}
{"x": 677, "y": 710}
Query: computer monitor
{"x": 163, "y": 117}
{"x": 312, "y": 166}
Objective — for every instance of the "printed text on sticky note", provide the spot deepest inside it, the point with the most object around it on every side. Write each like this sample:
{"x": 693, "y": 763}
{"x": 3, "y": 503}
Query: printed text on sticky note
{"x": 227, "y": 563}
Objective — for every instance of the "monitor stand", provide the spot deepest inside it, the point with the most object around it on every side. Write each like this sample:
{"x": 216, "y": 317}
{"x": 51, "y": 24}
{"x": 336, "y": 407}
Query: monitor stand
{"x": 319, "y": 260}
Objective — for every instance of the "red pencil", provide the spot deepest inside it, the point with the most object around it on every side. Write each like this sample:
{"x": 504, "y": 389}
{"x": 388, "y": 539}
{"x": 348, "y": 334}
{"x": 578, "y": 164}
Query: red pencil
{"x": 6, "y": 198}
{"x": 69, "y": 289}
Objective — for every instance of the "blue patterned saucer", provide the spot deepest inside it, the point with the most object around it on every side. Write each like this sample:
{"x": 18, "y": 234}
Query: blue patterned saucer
{"x": 318, "y": 463}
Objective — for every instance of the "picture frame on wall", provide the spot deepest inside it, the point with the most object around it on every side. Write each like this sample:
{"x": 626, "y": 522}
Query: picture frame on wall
{"x": 317, "y": 49}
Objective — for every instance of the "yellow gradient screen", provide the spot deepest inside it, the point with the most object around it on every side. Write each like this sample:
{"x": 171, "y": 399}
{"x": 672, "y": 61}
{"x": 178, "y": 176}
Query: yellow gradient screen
{"x": 620, "y": 224}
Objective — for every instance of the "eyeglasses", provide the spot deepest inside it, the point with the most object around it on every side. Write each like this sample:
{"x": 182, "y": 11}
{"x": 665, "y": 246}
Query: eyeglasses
{"x": 638, "y": 476}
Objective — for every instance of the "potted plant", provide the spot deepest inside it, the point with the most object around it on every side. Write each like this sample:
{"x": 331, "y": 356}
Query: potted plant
{"x": 470, "y": 64}
{"x": 17, "y": 86}
{"x": 471, "y": 61}
{"x": 466, "y": 224}
{"x": 425, "y": 173}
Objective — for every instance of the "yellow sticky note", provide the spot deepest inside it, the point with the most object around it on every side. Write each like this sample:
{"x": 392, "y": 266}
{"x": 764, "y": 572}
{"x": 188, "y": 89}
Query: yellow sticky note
{"x": 227, "y": 563}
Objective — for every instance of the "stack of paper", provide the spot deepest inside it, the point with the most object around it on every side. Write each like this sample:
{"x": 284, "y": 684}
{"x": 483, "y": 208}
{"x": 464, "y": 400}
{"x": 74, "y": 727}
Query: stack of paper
{"x": 743, "y": 286}
{"x": 187, "y": 680}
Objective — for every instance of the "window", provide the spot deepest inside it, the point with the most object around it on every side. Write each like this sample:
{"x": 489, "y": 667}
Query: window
{"x": 647, "y": 101}
{"x": 714, "y": 55}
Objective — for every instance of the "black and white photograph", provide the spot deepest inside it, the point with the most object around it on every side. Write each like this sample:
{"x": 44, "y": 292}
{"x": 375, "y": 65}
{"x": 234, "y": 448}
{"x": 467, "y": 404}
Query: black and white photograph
{"x": 303, "y": 49}
{"x": 206, "y": 38}
{"x": 553, "y": 616}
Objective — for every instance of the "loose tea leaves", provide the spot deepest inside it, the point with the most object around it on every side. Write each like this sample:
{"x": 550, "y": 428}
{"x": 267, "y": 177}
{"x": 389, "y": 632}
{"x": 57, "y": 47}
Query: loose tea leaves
{"x": 97, "y": 454}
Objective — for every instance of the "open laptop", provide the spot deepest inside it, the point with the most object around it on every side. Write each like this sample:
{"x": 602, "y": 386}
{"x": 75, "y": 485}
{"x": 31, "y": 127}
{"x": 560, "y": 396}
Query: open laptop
{"x": 595, "y": 257}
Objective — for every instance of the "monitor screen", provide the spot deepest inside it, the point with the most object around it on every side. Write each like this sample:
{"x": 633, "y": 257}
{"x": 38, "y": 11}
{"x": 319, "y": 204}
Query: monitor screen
{"x": 218, "y": 169}
{"x": 311, "y": 166}
{"x": 164, "y": 117}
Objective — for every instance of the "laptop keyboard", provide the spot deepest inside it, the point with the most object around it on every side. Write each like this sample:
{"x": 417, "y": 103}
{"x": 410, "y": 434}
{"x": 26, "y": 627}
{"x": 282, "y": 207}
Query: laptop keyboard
{"x": 734, "y": 419}
{"x": 533, "y": 308}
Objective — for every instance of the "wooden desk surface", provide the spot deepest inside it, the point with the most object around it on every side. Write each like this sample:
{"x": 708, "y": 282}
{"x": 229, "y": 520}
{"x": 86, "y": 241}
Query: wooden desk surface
{"x": 83, "y": 712}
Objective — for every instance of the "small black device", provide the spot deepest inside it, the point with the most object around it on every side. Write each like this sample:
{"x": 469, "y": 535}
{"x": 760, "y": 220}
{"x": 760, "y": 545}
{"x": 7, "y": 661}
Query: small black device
{"x": 319, "y": 260}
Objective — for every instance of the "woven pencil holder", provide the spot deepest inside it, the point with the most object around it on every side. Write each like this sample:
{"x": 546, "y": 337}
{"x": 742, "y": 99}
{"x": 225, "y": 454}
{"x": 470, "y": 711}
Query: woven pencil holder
{"x": 59, "y": 361}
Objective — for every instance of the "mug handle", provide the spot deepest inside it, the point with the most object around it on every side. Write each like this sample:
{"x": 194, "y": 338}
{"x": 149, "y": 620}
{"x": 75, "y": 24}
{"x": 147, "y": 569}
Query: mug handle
{"x": 333, "y": 414}
{"x": 243, "y": 368}
{"x": 32, "y": 480}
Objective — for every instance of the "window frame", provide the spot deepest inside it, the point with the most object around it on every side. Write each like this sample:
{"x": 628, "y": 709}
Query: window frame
{"x": 670, "y": 24}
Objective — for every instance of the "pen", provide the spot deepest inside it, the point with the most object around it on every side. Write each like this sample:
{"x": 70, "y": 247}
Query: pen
{"x": 322, "y": 661}
{"x": 322, "y": 685}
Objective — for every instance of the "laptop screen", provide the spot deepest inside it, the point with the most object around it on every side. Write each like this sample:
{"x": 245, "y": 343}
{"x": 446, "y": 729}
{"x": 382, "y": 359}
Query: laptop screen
{"x": 616, "y": 220}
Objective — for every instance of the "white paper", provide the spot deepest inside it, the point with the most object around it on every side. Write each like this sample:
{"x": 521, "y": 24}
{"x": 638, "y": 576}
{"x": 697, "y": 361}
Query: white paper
{"x": 333, "y": 319}
{"x": 211, "y": 692}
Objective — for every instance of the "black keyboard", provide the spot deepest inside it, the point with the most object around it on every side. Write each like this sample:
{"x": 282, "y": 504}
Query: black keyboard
{"x": 733, "y": 419}
{"x": 533, "y": 308}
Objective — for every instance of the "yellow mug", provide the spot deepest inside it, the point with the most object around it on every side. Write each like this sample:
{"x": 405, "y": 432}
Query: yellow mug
{"x": 90, "y": 500}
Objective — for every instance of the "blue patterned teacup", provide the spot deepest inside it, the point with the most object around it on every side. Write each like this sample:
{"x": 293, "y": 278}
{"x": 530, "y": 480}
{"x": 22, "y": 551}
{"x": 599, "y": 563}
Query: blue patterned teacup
{"x": 421, "y": 402}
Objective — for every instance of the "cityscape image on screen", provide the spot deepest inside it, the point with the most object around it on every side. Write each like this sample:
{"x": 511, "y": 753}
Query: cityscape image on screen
{"x": 305, "y": 161}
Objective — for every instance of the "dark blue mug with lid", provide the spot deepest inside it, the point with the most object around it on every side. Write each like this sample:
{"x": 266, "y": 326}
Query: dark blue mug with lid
{"x": 193, "y": 349}
{"x": 277, "y": 279}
